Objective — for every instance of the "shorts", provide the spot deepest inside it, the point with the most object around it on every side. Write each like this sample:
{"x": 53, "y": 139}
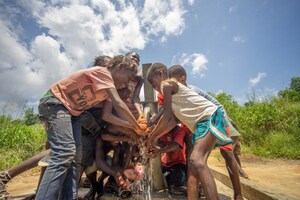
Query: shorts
{"x": 93, "y": 168}
{"x": 88, "y": 142}
{"x": 92, "y": 125}
{"x": 90, "y": 169}
{"x": 216, "y": 124}
{"x": 227, "y": 147}
{"x": 175, "y": 175}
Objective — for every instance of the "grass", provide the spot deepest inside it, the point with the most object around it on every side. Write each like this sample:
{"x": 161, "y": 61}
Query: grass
{"x": 269, "y": 128}
{"x": 18, "y": 141}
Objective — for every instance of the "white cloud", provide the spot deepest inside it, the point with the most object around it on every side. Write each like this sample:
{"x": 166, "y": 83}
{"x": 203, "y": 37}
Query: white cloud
{"x": 72, "y": 33}
{"x": 163, "y": 17}
{"x": 196, "y": 61}
{"x": 238, "y": 39}
{"x": 254, "y": 81}
{"x": 191, "y": 2}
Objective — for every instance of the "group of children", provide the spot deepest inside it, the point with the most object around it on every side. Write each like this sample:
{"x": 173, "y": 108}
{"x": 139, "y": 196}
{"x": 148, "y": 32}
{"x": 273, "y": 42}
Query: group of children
{"x": 96, "y": 110}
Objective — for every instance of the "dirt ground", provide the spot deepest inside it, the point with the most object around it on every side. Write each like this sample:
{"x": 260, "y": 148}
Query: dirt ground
{"x": 277, "y": 175}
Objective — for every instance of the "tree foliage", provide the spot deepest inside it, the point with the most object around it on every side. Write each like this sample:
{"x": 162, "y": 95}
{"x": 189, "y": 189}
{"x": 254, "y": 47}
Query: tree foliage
{"x": 268, "y": 127}
{"x": 30, "y": 118}
{"x": 293, "y": 92}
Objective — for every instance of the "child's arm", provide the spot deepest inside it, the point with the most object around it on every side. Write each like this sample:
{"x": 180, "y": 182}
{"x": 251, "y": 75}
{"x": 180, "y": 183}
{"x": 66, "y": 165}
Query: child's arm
{"x": 160, "y": 128}
{"x": 115, "y": 138}
{"x": 111, "y": 118}
{"x": 155, "y": 118}
{"x": 174, "y": 146}
{"x": 156, "y": 151}
{"x": 136, "y": 96}
{"x": 100, "y": 159}
{"x": 166, "y": 128}
{"x": 123, "y": 110}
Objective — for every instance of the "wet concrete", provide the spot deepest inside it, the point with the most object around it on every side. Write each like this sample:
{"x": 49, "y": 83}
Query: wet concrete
{"x": 225, "y": 194}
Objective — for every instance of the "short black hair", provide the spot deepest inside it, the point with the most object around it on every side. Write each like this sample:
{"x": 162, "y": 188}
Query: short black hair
{"x": 121, "y": 60}
{"x": 133, "y": 54}
{"x": 155, "y": 69}
{"x": 102, "y": 61}
{"x": 176, "y": 71}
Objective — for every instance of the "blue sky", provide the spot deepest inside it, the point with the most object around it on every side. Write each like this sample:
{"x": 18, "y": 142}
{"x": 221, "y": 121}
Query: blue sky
{"x": 232, "y": 46}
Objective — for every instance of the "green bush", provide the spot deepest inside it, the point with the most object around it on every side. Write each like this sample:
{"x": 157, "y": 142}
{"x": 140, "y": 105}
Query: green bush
{"x": 269, "y": 128}
{"x": 18, "y": 141}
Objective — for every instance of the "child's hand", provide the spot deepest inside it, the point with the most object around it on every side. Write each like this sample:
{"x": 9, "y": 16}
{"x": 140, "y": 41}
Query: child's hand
{"x": 153, "y": 151}
{"x": 129, "y": 173}
{"x": 142, "y": 120}
{"x": 135, "y": 138}
{"x": 142, "y": 130}
{"x": 121, "y": 181}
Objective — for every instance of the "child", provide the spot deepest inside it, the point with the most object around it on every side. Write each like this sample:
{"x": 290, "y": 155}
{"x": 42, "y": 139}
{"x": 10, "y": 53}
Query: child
{"x": 172, "y": 148}
{"x": 60, "y": 109}
{"x": 200, "y": 115}
{"x": 179, "y": 73}
{"x": 135, "y": 85}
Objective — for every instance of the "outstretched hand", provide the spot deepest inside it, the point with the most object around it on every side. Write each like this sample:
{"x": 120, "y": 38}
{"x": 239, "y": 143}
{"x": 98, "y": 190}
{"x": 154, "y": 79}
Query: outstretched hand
{"x": 153, "y": 151}
{"x": 142, "y": 120}
{"x": 121, "y": 181}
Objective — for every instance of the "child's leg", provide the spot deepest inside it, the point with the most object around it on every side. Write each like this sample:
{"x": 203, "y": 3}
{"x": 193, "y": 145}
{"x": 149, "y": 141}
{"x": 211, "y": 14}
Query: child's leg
{"x": 63, "y": 149}
{"x": 232, "y": 168}
{"x": 198, "y": 165}
{"x": 192, "y": 183}
{"x": 236, "y": 153}
{"x": 92, "y": 178}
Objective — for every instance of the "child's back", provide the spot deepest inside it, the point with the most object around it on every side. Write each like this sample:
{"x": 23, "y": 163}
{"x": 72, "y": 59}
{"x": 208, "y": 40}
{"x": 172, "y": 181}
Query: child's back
{"x": 189, "y": 107}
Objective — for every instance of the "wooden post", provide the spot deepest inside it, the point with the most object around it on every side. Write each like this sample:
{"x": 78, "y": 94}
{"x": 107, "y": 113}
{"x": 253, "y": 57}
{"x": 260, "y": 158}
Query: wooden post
{"x": 157, "y": 176}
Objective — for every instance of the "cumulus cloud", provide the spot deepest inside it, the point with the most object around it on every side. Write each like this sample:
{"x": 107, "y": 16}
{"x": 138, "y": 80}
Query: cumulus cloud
{"x": 254, "y": 81}
{"x": 71, "y": 33}
{"x": 163, "y": 17}
{"x": 238, "y": 39}
{"x": 196, "y": 61}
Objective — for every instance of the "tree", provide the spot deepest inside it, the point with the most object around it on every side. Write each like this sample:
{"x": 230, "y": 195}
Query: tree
{"x": 293, "y": 92}
{"x": 295, "y": 84}
{"x": 30, "y": 118}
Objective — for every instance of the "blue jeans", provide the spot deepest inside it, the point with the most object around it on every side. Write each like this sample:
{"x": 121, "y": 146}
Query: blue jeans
{"x": 64, "y": 135}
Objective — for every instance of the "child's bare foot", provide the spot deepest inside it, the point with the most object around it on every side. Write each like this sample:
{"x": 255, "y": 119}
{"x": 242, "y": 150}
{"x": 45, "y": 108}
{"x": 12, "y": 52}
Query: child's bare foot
{"x": 243, "y": 174}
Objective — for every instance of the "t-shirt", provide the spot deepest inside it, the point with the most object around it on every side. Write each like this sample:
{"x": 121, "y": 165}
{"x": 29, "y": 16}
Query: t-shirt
{"x": 171, "y": 158}
{"x": 206, "y": 96}
{"x": 189, "y": 107}
{"x": 83, "y": 89}
{"x": 160, "y": 99}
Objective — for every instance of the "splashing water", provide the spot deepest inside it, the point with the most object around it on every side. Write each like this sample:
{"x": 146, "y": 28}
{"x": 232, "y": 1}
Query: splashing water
{"x": 142, "y": 188}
